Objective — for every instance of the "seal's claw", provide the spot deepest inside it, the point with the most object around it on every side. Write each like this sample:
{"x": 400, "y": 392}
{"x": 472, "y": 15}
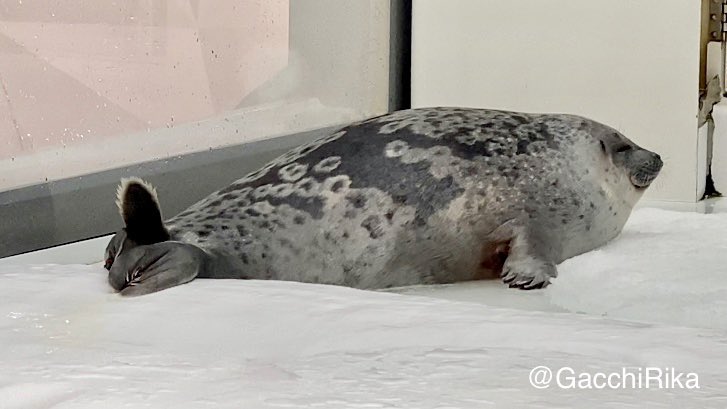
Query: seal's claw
{"x": 528, "y": 273}
{"x": 508, "y": 276}
{"x": 536, "y": 286}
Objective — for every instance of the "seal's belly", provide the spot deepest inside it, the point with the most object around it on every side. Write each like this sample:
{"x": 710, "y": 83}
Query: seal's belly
{"x": 363, "y": 239}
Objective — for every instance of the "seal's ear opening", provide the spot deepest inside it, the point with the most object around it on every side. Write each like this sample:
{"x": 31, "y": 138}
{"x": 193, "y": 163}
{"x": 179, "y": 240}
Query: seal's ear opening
{"x": 139, "y": 207}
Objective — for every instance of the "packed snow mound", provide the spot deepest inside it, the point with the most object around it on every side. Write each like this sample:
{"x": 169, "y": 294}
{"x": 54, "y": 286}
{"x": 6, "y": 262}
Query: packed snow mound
{"x": 666, "y": 266}
{"x": 68, "y": 342}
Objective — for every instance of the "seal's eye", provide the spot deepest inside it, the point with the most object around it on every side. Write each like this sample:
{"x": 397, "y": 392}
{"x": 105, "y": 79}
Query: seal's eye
{"x": 623, "y": 148}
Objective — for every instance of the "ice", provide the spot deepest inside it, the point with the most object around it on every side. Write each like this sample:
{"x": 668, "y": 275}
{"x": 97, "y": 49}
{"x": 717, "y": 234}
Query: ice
{"x": 654, "y": 297}
{"x": 666, "y": 267}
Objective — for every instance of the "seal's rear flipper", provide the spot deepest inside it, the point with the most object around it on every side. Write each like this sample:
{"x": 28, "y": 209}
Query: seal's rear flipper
{"x": 139, "y": 207}
{"x": 151, "y": 268}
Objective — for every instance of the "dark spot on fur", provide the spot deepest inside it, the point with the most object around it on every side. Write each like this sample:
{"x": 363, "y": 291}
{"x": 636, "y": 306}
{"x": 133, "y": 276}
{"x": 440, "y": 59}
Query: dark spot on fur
{"x": 307, "y": 149}
{"x": 337, "y": 186}
{"x": 357, "y": 200}
{"x": 298, "y": 219}
{"x": 345, "y": 235}
{"x": 350, "y": 278}
{"x": 399, "y": 199}
{"x": 215, "y": 203}
{"x": 245, "y": 258}
{"x": 252, "y": 212}
{"x": 373, "y": 225}
{"x": 419, "y": 221}
{"x": 306, "y": 186}
{"x": 389, "y": 215}
{"x": 203, "y": 233}
{"x": 310, "y": 205}
{"x": 242, "y": 231}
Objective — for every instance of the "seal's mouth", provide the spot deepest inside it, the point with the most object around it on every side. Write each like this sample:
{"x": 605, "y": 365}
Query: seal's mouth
{"x": 642, "y": 177}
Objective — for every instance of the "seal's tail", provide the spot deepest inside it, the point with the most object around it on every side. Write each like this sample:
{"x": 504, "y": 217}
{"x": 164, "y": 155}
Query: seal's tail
{"x": 139, "y": 207}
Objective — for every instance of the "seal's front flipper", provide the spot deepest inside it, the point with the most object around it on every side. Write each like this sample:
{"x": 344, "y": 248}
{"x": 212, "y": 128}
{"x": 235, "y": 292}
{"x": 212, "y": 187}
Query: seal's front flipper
{"x": 527, "y": 266}
{"x": 150, "y": 268}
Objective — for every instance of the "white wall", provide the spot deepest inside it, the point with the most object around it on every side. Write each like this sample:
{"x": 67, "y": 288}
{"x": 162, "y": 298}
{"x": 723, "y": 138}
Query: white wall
{"x": 631, "y": 64}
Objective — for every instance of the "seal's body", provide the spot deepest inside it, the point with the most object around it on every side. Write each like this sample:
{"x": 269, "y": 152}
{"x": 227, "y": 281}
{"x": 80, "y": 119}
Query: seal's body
{"x": 421, "y": 196}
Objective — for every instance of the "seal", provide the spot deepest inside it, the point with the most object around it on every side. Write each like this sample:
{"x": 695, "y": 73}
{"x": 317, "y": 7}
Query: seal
{"x": 420, "y": 196}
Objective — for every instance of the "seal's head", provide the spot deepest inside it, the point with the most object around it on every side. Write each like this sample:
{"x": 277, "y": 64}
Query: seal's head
{"x": 641, "y": 165}
{"x": 629, "y": 166}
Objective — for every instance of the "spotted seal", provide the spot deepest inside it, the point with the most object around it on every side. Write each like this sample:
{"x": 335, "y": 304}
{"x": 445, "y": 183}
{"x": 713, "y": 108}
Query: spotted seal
{"x": 420, "y": 196}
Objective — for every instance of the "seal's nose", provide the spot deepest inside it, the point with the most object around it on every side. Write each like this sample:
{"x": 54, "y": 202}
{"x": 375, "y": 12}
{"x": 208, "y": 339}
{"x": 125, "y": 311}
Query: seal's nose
{"x": 657, "y": 163}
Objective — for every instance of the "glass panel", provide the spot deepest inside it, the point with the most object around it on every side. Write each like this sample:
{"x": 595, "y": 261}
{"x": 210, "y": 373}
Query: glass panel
{"x": 91, "y": 85}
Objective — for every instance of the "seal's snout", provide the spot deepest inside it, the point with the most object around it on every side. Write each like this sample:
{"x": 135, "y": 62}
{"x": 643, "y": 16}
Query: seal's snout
{"x": 648, "y": 171}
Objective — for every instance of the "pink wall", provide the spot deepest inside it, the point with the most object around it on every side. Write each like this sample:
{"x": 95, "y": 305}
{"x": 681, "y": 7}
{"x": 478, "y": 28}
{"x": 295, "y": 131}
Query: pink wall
{"x": 78, "y": 71}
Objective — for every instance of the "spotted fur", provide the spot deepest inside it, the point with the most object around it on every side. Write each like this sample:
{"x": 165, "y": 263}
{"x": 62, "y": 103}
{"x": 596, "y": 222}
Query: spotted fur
{"x": 423, "y": 196}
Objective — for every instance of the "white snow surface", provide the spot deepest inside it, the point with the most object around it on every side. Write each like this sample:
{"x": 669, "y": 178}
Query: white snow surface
{"x": 655, "y": 297}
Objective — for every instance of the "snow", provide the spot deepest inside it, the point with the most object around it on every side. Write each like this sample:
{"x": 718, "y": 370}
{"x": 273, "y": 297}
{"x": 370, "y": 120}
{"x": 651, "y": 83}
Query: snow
{"x": 652, "y": 298}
